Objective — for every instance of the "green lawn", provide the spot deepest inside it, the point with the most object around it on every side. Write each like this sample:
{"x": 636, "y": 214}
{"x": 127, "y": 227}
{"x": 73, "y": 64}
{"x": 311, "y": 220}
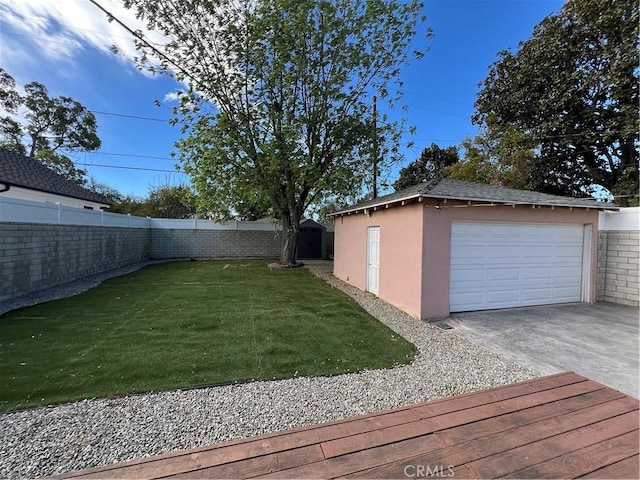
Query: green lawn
{"x": 186, "y": 324}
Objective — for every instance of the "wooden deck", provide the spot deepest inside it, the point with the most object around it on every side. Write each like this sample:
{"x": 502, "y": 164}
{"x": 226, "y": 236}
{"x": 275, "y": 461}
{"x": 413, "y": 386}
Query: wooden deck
{"x": 560, "y": 426}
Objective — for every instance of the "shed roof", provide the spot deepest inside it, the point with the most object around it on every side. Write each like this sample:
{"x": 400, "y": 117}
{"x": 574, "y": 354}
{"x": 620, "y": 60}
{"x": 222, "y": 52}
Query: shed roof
{"x": 450, "y": 189}
{"x": 21, "y": 171}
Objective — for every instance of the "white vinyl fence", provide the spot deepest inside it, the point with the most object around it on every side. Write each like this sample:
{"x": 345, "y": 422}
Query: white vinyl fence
{"x": 27, "y": 211}
{"x": 199, "y": 224}
{"x": 625, "y": 219}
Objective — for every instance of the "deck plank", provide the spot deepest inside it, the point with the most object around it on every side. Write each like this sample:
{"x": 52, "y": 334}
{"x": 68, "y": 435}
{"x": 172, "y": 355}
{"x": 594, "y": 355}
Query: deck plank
{"x": 494, "y": 443}
{"x": 521, "y": 457}
{"x": 427, "y": 449}
{"x": 210, "y": 456}
{"x": 546, "y": 427}
{"x": 442, "y": 421}
{"x": 583, "y": 461}
{"x": 627, "y": 468}
{"x": 259, "y": 465}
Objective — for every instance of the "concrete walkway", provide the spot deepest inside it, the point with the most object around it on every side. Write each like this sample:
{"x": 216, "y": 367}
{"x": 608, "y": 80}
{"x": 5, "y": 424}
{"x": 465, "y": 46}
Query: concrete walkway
{"x": 599, "y": 341}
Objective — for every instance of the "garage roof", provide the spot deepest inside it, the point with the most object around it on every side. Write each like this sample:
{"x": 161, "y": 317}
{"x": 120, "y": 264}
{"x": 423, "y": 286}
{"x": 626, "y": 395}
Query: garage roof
{"x": 21, "y": 171}
{"x": 449, "y": 189}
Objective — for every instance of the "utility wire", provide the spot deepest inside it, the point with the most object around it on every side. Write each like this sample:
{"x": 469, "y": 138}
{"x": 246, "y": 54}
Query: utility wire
{"x": 130, "y": 116}
{"x": 141, "y": 38}
{"x": 131, "y": 155}
{"x": 73, "y": 27}
{"x": 436, "y": 98}
{"x": 86, "y": 164}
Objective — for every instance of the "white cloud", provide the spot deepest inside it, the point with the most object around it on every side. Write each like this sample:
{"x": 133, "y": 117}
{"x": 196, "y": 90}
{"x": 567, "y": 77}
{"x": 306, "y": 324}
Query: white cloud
{"x": 171, "y": 97}
{"x": 60, "y": 29}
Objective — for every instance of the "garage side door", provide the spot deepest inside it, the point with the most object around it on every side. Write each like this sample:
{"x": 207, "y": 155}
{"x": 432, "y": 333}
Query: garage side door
{"x": 501, "y": 265}
{"x": 373, "y": 259}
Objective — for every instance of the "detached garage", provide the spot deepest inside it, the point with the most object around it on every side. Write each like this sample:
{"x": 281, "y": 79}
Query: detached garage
{"x": 451, "y": 246}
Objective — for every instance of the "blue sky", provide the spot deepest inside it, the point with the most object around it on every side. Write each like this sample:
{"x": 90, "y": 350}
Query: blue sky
{"x": 65, "y": 44}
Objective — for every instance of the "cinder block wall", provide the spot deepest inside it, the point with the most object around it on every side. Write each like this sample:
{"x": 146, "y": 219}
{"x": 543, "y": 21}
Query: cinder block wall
{"x": 618, "y": 267}
{"x": 182, "y": 243}
{"x": 38, "y": 256}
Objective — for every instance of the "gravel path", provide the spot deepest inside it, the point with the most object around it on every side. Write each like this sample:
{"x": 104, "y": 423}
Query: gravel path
{"x": 53, "y": 440}
{"x": 70, "y": 288}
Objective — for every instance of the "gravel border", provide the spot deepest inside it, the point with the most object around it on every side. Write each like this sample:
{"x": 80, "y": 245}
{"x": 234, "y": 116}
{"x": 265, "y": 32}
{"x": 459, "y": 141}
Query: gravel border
{"x": 70, "y": 289}
{"x": 58, "y": 439}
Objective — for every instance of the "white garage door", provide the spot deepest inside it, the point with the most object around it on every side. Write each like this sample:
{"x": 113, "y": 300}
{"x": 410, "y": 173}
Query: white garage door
{"x": 500, "y": 265}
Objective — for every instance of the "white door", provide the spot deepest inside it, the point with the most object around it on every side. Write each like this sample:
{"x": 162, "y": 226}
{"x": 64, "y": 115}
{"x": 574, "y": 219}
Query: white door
{"x": 373, "y": 259}
{"x": 501, "y": 265}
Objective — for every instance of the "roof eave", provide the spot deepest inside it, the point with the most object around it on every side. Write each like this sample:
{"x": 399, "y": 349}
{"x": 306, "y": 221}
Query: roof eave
{"x": 472, "y": 199}
{"x": 375, "y": 205}
{"x": 75, "y": 197}
{"x": 509, "y": 202}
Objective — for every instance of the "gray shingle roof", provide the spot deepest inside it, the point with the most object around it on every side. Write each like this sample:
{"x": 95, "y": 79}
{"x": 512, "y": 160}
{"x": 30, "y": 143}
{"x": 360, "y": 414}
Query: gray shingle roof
{"x": 468, "y": 191}
{"x": 20, "y": 171}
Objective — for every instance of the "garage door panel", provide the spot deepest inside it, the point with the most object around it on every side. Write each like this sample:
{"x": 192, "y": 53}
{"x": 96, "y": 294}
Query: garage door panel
{"x": 543, "y": 232}
{"x": 468, "y": 250}
{"x": 500, "y": 252}
{"x": 505, "y": 230}
{"x": 536, "y": 294}
{"x": 508, "y": 273}
{"x": 568, "y": 251}
{"x": 507, "y": 297}
{"x": 467, "y": 275}
{"x": 566, "y": 294}
{"x": 537, "y": 252}
{"x": 537, "y": 273}
{"x": 566, "y": 273}
{"x": 468, "y": 229}
{"x": 469, "y": 299}
{"x": 499, "y": 265}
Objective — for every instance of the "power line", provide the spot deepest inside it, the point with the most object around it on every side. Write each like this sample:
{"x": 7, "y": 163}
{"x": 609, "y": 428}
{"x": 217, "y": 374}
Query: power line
{"x": 73, "y": 43}
{"x": 48, "y": 40}
{"x": 73, "y": 27}
{"x": 85, "y": 164}
{"x": 147, "y": 43}
{"x": 437, "y": 98}
{"x": 151, "y": 119}
{"x": 438, "y": 111}
{"x": 131, "y": 155}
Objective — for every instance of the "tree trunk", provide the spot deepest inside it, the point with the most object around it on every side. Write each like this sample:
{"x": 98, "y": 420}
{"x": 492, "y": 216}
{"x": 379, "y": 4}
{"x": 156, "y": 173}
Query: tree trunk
{"x": 290, "y": 228}
{"x": 32, "y": 148}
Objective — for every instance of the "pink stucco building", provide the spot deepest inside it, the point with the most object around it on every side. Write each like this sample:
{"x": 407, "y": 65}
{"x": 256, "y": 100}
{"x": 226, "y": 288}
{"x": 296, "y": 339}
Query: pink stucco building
{"x": 448, "y": 246}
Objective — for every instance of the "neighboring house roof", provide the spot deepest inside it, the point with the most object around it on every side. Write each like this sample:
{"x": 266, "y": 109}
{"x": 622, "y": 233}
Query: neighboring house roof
{"x": 450, "y": 189}
{"x": 21, "y": 171}
{"x": 310, "y": 223}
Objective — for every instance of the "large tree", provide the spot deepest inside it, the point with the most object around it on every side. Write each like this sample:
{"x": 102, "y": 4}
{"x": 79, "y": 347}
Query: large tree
{"x": 572, "y": 88}
{"x": 279, "y": 108}
{"x": 429, "y": 166}
{"x": 52, "y": 126}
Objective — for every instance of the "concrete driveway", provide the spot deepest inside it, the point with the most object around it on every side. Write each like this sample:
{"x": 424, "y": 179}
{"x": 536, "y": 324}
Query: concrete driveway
{"x": 599, "y": 341}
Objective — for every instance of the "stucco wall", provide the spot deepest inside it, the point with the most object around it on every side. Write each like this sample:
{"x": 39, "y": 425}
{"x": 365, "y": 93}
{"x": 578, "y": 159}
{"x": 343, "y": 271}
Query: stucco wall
{"x": 437, "y": 243}
{"x": 415, "y": 248}
{"x": 182, "y": 243}
{"x": 37, "y": 256}
{"x": 619, "y": 267}
{"x": 400, "y": 253}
